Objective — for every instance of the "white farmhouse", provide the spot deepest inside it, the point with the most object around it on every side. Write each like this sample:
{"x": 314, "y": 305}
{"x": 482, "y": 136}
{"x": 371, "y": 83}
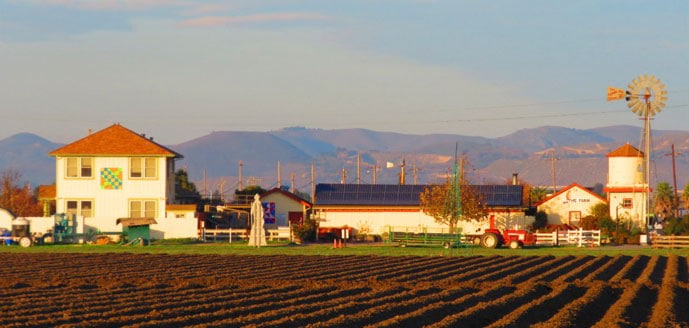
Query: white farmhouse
{"x": 116, "y": 173}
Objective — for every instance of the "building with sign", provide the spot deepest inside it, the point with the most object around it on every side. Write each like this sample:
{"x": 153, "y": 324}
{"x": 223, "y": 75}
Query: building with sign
{"x": 569, "y": 205}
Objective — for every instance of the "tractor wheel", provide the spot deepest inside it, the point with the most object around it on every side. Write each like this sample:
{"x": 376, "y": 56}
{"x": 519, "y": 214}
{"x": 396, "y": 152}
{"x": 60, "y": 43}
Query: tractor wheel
{"x": 446, "y": 245}
{"x": 514, "y": 244}
{"x": 25, "y": 242}
{"x": 490, "y": 240}
{"x": 476, "y": 240}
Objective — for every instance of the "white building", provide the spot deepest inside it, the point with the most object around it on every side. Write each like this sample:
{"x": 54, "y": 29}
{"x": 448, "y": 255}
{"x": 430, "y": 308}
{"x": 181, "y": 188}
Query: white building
{"x": 374, "y": 209}
{"x": 116, "y": 173}
{"x": 626, "y": 188}
{"x": 569, "y": 205}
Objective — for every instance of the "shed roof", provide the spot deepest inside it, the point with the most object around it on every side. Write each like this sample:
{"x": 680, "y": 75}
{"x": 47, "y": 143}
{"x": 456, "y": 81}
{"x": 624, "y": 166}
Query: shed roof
{"x": 406, "y": 195}
{"x": 115, "y": 140}
{"x": 135, "y": 222}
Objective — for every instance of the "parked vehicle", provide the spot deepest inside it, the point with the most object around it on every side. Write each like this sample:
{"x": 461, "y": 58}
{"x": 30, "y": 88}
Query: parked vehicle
{"x": 514, "y": 238}
{"x": 20, "y": 234}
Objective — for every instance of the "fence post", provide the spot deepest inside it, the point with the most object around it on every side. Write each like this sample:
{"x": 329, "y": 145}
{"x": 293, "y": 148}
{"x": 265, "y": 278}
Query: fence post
{"x": 556, "y": 237}
{"x": 230, "y": 235}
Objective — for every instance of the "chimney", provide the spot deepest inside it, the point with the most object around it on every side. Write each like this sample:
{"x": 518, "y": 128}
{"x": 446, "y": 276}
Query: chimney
{"x": 514, "y": 179}
{"x": 89, "y": 132}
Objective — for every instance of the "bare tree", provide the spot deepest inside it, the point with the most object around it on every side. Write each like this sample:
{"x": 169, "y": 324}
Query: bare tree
{"x": 15, "y": 198}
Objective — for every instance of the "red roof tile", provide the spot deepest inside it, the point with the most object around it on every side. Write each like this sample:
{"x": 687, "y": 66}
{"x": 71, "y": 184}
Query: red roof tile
{"x": 115, "y": 140}
{"x": 626, "y": 151}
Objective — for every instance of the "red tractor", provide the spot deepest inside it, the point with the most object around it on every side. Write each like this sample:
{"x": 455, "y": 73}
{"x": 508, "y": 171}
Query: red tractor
{"x": 493, "y": 238}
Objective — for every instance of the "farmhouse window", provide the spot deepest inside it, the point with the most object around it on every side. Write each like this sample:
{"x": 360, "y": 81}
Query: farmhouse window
{"x": 79, "y": 167}
{"x": 142, "y": 208}
{"x": 79, "y": 207}
{"x": 143, "y": 167}
{"x": 627, "y": 203}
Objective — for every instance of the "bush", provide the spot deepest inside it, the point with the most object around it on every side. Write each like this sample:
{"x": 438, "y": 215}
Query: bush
{"x": 589, "y": 222}
{"x": 677, "y": 226}
{"x": 540, "y": 221}
{"x": 305, "y": 231}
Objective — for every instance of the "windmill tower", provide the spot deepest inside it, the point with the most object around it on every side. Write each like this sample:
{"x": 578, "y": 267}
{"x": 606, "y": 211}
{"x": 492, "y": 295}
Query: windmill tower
{"x": 645, "y": 96}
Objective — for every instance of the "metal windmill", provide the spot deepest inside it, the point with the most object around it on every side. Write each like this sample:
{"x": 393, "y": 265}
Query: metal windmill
{"x": 645, "y": 96}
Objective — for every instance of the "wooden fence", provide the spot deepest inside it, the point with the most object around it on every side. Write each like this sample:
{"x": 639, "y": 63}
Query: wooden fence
{"x": 232, "y": 235}
{"x": 658, "y": 241}
{"x": 580, "y": 238}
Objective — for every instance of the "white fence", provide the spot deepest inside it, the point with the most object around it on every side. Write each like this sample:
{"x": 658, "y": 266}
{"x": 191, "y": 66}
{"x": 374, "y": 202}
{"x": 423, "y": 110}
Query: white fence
{"x": 580, "y": 238}
{"x": 232, "y": 235}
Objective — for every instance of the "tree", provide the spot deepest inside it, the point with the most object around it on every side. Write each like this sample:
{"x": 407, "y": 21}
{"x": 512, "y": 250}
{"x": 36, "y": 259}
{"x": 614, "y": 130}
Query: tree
{"x": 537, "y": 194}
{"x": 440, "y": 202}
{"x": 685, "y": 195}
{"x": 185, "y": 190}
{"x": 16, "y": 199}
{"x": 664, "y": 199}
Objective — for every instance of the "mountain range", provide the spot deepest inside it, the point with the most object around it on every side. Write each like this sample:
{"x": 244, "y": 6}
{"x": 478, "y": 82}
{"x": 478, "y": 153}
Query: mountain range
{"x": 543, "y": 156}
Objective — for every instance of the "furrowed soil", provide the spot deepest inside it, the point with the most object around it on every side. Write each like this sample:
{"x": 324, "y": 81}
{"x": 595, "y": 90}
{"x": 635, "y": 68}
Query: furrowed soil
{"x": 159, "y": 290}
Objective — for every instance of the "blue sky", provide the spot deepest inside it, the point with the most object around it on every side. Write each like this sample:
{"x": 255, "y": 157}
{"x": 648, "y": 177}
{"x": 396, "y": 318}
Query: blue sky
{"x": 178, "y": 69}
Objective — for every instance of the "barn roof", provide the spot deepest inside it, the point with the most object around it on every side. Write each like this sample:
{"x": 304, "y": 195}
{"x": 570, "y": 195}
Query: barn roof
{"x": 406, "y": 195}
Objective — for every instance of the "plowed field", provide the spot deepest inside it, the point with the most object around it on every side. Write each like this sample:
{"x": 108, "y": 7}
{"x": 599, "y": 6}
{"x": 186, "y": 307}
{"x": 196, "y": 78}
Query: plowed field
{"x": 153, "y": 290}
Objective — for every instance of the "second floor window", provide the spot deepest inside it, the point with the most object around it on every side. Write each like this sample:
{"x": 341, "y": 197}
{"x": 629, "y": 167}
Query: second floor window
{"x": 143, "y": 168}
{"x": 79, "y": 167}
{"x": 627, "y": 203}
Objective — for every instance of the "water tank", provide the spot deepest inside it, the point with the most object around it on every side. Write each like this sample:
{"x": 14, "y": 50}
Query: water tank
{"x": 20, "y": 228}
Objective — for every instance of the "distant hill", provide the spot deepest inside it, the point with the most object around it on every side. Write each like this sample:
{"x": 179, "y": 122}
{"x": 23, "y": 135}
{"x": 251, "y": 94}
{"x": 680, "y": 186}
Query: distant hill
{"x": 576, "y": 156}
{"x": 28, "y": 154}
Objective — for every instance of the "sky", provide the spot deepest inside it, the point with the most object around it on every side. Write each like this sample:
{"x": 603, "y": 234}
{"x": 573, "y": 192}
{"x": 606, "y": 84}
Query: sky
{"x": 179, "y": 69}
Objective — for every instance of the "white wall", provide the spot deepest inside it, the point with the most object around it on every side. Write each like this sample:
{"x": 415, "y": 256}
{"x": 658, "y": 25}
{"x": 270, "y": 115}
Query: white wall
{"x": 575, "y": 199}
{"x": 378, "y": 222}
{"x": 107, "y": 202}
{"x": 166, "y": 228}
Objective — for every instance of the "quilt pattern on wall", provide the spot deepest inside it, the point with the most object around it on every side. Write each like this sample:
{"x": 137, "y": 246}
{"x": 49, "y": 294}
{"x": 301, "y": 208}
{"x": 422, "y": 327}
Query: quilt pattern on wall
{"x": 111, "y": 178}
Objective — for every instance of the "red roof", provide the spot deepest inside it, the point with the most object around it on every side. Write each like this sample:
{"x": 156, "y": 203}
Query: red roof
{"x": 288, "y": 195}
{"x": 115, "y": 140}
{"x": 626, "y": 151}
{"x": 568, "y": 188}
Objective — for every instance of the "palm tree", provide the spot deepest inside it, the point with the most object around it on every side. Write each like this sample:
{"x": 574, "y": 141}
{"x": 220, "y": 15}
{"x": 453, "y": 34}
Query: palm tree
{"x": 664, "y": 199}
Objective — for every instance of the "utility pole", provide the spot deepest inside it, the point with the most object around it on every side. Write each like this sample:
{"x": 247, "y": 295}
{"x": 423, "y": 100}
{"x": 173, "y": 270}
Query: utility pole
{"x": 291, "y": 185}
{"x": 279, "y": 176}
{"x": 313, "y": 184}
{"x": 403, "y": 179}
{"x": 552, "y": 168}
{"x": 240, "y": 185}
{"x": 675, "y": 201}
{"x": 358, "y": 168}
{"x": 343, "y": 180}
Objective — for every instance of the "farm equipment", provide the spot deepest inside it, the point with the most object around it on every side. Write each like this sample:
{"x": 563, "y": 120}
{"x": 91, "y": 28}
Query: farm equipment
{"x": 20, "y": 234}
{"x": 513, "y": 238}
{"x": 407, "y": 237}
